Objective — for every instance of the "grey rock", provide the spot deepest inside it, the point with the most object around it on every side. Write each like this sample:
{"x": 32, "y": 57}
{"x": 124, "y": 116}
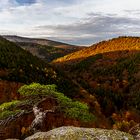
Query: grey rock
{"x": 77, "y": 133}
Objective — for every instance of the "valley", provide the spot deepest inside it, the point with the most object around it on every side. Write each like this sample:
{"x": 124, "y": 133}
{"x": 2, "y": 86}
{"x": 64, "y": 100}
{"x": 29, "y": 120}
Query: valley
{"x": 45, "y": 49}
{"x": 104, "y": 76}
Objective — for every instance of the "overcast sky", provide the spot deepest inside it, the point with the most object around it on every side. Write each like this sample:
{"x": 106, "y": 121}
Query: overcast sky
{"x": 81, "y": 22}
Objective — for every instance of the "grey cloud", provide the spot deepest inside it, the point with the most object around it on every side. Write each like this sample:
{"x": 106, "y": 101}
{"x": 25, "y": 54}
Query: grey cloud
{"x": 133, "y": 12}
{"x": 93, "y": 28}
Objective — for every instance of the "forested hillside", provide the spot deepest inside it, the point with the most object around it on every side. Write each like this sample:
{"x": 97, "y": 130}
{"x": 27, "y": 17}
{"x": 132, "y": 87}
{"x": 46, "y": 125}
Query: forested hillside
{"x": 115, "y": 44}
{"x": 19, "y": 65}
{"x": 109, "y": 71}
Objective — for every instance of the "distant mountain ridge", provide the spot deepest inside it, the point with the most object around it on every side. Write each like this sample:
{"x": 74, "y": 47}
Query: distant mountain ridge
{"x": 40, "y": 41}
{"x": 47, "y": 50}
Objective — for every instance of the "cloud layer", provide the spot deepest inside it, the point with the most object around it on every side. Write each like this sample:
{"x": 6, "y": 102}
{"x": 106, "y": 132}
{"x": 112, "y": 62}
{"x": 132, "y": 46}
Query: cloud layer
{"x": 73, "y": 21}
{"x": 93, "y": 28}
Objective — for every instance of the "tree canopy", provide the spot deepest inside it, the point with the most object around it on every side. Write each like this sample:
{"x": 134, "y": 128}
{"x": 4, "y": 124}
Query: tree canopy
{"x": 70, "y": 108}
{"x": 35, "y": 93}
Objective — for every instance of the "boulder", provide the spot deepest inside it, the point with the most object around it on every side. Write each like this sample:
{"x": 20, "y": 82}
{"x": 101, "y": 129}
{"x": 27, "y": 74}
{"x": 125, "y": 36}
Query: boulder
{"x": 77, "y": 133}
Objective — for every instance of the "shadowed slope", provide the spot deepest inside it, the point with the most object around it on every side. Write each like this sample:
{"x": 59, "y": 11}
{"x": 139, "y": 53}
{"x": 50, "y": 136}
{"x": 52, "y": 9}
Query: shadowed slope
{"x": 45, "y": 49}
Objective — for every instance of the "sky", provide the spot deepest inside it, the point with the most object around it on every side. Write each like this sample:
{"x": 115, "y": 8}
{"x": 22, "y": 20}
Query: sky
{"x": 79, "y": 22}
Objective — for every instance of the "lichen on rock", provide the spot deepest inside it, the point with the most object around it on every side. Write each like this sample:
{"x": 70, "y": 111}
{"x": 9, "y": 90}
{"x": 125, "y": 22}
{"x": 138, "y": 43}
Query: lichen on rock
{"x": 76, "y": 133}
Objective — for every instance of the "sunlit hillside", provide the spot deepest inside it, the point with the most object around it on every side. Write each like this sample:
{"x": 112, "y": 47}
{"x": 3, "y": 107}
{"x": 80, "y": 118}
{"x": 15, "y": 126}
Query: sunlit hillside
{"x": 117, "y": 44}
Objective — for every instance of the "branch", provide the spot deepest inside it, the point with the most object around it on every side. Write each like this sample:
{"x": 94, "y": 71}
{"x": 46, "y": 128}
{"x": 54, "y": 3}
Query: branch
{"x": 49, "y": 111}
{"x": 11, "y": 118}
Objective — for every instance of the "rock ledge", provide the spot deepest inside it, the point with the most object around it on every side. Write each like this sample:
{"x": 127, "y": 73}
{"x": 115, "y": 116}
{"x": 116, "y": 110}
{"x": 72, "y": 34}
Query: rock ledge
{"x": 77, "y": 133}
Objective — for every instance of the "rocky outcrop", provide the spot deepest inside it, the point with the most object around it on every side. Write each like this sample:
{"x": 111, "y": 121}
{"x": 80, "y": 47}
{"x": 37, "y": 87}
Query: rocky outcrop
{"x": 76, "y": 133}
